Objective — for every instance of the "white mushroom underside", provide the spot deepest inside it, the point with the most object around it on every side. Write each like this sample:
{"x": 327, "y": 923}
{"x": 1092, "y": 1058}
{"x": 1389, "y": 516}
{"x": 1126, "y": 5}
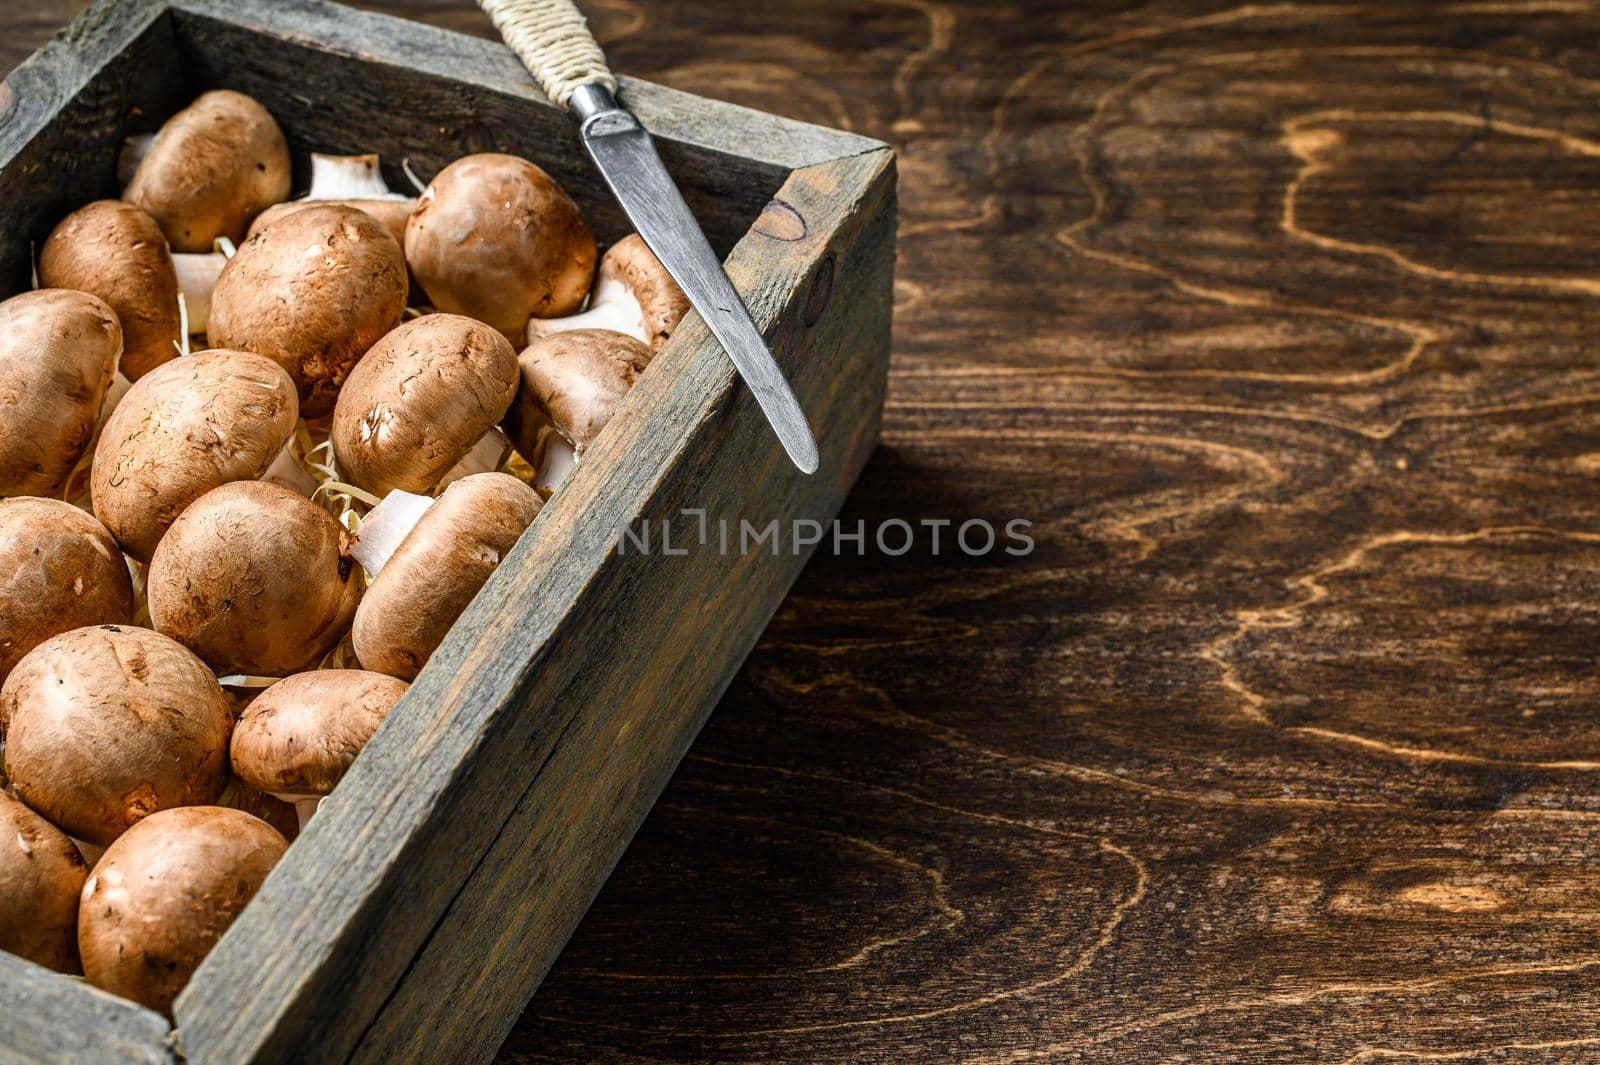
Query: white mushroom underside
{"x": 613, "y": 307}
{"x": 197, "y": 276}
{"x": 348, "y": 177}
{"x": 488, "y": 455}
{"x": 557, "y": 464}
{"x": 286, "y": 471}
{"x": 385, "y": 527}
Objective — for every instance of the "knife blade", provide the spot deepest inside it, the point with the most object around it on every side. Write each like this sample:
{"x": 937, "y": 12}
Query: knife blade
{"x": 626, "y": 157}
{"x": 552, "y": 39}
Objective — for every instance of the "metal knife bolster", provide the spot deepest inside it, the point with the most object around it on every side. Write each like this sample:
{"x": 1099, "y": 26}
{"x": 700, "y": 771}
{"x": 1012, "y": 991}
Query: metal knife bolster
{"x": 626, "y": 157}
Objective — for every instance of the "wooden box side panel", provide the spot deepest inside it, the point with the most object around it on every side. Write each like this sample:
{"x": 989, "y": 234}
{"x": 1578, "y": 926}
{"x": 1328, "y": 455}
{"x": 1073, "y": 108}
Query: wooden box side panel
{"x": 690, "y": 623}
{"x": 50, "y": 1019}
{"x": 566, "y": 642}
{"x": 64, "y": 113}
{"x": 771, "y": 141}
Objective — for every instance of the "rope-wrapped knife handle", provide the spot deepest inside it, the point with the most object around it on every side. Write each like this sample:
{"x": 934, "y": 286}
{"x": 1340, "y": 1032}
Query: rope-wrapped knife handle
{"x": 554, "y": 43}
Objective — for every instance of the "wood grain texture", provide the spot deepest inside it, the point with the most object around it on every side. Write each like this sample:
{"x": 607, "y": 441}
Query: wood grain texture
{"x": 50, "y": 1019}
{"x": 1282, "y": 745}
{"x": 62, "y": 119}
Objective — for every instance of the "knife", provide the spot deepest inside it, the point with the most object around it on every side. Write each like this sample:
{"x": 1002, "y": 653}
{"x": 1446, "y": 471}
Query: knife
{"x": 554, "y": 43}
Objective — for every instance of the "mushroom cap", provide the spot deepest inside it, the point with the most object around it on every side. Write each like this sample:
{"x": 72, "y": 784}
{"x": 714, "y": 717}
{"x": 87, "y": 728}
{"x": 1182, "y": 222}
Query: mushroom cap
{"x": 183, "y": 429}
{"x": 213, "y": 167}
{"x": 162, "y": 895}
{"x": 438, "y": 568}
{"x": 419, "y": 400}
{"x": 41, "y": 874}
{"x": 116, "y": 251}
{"x": 58, "y": 352}
{"x": 110, "y": 723}
{"x": 59, "y": 570}
{"x": 254, "y": 579}
{"x": 298, "y": 738}
{"x": 495, "y": 238}
{"x": 572, "y": 382}
{"x": 394, "y": 214}
{"x": 628, "y": 265}
{"x": 312, "y": 291}
{"x": 630, "y": 262}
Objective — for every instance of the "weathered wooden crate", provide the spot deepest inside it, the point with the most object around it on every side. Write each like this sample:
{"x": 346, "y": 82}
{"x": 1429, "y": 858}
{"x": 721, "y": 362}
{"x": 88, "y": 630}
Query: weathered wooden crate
{"x": 418, "y": 913}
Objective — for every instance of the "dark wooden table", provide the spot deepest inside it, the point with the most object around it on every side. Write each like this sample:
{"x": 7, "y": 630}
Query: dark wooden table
{"x": 1279, "y": 322}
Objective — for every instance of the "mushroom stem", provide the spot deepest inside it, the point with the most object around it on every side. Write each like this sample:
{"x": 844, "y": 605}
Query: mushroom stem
{"x": 197, "y": 276}
{"x": 287, "y": 471}
{"x": 385, "y": 526}
{"x": 488, "y": 455}
{"x": 303, "y": 807}
{"x": 557, "y": 464}
{"x": 134, "y": 149}
{"x": 613, "y": 306}
{"x": 348, "y": 177}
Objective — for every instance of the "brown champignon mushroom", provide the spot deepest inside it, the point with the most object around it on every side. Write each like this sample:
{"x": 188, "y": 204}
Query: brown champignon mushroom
{"x": 115, "y": 250}
{"x": 59, "y": 570}
{"x": 428, "y": 567}
{"x": 495, "y": 238}
{"x": 163, "y": 894}
{"x": 633, "y": 294}
{"x": 58, "y": 351}
{"x": 420, "y": 401}
{"x": 183, "y": 429}
{"x": 108, "y": 724}
{"x": 254, "y": 579}
{"x": 41, "y": 875}
{"x": 571, "y": 383}
{"x": 313, "y": 291}
{"x": 212, "y": 168}
{"x": 350, "y": 181}
{"x": 297, "y": 739}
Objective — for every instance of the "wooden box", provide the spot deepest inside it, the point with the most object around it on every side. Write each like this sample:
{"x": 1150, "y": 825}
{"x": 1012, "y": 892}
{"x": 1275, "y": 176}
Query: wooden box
{"x": 417, "y": 914}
